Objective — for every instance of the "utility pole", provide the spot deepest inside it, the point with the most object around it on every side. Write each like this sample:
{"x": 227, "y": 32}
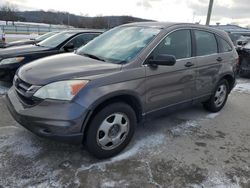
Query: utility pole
{"x": 68, "y": 19}
{"x": 209, "y": 12}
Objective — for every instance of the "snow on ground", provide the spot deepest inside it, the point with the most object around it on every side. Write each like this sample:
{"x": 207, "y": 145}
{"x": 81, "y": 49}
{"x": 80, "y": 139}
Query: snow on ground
{"x": 20, "y": 145}
{"x": 242, "y": 88}
{"x": 212, "y": 115}
{"x": 17, "y": 36}
{"x": 183, "y": 128}
{"x": 218, "y": 180}
{"x": 151, "y": 141}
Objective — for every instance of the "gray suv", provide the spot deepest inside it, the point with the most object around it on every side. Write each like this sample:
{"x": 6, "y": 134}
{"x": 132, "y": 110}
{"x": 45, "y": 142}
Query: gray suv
{"x": 97, "y": 95}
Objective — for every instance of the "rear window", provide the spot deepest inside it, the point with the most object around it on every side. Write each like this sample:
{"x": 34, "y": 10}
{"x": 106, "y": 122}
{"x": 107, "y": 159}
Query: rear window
{"x": 223, "y": 45}
{"x": 206, "y": 43}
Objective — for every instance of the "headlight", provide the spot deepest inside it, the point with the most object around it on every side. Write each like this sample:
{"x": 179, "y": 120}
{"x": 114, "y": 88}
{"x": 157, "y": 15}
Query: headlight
{"x": 62, "y": 90}
{"x": 11, "y": 60}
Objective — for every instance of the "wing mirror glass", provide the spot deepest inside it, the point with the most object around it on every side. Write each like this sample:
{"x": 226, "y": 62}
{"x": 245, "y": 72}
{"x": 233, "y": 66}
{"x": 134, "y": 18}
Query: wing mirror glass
{"x": 239, "y": 43}
{"x": 69, "y": 47}
{"x": 163, "y": 59}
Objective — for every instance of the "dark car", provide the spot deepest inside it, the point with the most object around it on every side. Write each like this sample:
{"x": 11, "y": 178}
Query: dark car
{"x": 97, "y": 95}
{"x": 29, "y": 41}
{"x": 244, "y": 59}
{"x": 13, "y": 57}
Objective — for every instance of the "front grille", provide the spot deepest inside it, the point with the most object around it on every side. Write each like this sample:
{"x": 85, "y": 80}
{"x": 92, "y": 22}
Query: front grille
{"x": 21, "y": 86}
{"x": 25, "y": 91}
{"x": 25, "y": 100}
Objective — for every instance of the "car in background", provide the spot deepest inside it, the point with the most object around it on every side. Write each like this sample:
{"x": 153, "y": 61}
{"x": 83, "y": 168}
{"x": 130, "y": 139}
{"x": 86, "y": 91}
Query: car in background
{"x": 243, "y": 50}
{"x": 242, "y": 40}
{"x": 98, "y": 94}
{"x": 13, "y": 57}
{"x": 2, "y": 38}
{"x": 29, "y": 41}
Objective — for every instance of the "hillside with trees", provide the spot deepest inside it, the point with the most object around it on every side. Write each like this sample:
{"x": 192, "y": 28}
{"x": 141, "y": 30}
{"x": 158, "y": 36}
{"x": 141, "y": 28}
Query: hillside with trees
{"x": 10, "y": 14}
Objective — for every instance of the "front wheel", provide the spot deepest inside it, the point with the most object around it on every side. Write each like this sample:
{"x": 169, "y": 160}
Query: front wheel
{"x": 218, "y": 98}
{"x": 110, "y": 130}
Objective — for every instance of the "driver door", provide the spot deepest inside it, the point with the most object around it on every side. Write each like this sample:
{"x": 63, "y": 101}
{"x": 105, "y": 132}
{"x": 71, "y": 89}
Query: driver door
{"x": 170, "y": 85}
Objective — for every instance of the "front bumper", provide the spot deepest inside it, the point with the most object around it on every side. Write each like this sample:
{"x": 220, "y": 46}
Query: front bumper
{"x": 61, "y": 121}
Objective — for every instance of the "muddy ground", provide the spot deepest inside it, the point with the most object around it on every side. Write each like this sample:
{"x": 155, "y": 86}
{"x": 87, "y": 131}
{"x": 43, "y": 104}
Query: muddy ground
{"x": 188, "y": 148}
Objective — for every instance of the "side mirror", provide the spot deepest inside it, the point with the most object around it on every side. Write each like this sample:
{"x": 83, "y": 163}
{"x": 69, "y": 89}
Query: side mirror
{"x": 69, "y": 47}
{"x": 239, "y": 43}
{"x": 163, "y": 59}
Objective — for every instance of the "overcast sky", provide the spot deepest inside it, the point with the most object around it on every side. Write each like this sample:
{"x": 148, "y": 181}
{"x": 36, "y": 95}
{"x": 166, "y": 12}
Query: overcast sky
{"x": 225, "y": 11}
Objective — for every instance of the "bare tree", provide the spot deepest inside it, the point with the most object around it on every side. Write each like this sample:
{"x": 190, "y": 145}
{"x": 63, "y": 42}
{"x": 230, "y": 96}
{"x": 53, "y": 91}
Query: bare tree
{"x": 8, "y": 13}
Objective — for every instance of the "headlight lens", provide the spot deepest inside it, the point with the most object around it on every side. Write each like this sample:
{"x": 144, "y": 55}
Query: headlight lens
{"x": 11, "y": 60}
{"x": 62, "y": 90}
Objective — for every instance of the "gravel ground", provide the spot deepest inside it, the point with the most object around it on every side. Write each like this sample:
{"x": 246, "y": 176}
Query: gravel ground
{"x": 188, "y": 148}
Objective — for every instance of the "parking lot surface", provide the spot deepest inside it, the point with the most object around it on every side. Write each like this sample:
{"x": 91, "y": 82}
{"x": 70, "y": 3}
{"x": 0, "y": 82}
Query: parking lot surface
{"x": 188, "y": 148}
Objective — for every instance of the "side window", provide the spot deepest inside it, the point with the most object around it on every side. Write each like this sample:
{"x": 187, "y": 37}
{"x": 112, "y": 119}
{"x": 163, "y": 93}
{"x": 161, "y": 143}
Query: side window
{"x": 206, "y": 43}
{"x": 223, "y": 45}
{"x": 91, "y": 36}
{"x": 177, "y": 43}
{"x": 83, "y": 39}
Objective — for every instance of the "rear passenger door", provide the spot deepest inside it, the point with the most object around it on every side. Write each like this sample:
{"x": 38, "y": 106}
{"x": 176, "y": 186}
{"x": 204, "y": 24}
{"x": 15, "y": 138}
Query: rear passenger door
{"x": 208, "y": 62}
{"x": 169, "y": 85}
{"x": 225, "y": 51}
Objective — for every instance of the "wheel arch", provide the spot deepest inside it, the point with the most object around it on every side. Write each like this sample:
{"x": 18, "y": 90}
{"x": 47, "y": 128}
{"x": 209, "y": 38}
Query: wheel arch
{"x": 230, "y": 79}
{"x": 127, "y": 97}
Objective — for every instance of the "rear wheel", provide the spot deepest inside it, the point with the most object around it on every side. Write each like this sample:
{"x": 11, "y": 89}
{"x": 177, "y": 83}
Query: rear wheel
{"x": 218, "y": 98}
{"x": 110, "y": 130}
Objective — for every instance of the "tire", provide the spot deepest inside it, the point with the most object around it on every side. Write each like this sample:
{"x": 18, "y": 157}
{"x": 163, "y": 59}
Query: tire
{"x": 214, "y": 104}
{"x": 110, "y": 130}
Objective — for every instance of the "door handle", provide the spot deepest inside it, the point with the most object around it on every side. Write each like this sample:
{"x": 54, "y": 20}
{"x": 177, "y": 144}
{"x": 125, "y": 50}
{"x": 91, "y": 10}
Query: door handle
{"x": 189, "y": 64}
{"x": 219, "y": 59}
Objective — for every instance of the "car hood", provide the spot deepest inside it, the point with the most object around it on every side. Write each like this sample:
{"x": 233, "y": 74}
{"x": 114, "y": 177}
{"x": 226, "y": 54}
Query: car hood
{"x": 21, "y": 50}
{"x": 63, "y": 67}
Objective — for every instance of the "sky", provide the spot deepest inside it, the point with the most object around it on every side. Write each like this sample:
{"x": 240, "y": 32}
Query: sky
{"x": 224, "y": 12}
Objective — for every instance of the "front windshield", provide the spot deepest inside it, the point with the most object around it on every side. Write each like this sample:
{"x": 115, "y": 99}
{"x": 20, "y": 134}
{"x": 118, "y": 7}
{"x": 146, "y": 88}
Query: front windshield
{"x": 119, "y": 45}
{"x": 56, "y": 40}
{"x": 45, "y": 36}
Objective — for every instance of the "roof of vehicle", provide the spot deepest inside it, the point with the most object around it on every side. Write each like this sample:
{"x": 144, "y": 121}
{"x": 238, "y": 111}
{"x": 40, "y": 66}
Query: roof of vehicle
{"x": 84, "y": 31}
{"x": 164, "y": 25}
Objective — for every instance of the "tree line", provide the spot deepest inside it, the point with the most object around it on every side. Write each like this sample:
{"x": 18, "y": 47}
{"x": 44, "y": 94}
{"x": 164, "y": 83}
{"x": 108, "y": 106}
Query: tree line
{"x": 10, "y": 14}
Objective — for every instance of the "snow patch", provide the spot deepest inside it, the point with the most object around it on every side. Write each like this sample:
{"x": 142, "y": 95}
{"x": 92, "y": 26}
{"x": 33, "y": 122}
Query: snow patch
{"x": 184, "y": 128}
{"x": 242, "y": 88}
{"x": 149, "y": 142}
{"x": 218, "y": 180}
{"x": 212, "y": 115}
{"x": 15, "y": 141}
{"x": 17, "y": 36}
{"x": 109, "y": 184}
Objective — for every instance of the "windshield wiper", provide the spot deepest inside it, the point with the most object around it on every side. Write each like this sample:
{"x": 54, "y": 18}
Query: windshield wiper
{"x": 37, "y": 44}
{"x": 94, "y": 57}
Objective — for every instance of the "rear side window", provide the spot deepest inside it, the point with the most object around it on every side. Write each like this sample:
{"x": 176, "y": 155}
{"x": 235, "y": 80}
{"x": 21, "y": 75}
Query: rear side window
{"x": 206, "y": 43}
{"x": 83, "y": 39}
{"x": 223, "y": 45}
{"x": 177, "y": 44}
